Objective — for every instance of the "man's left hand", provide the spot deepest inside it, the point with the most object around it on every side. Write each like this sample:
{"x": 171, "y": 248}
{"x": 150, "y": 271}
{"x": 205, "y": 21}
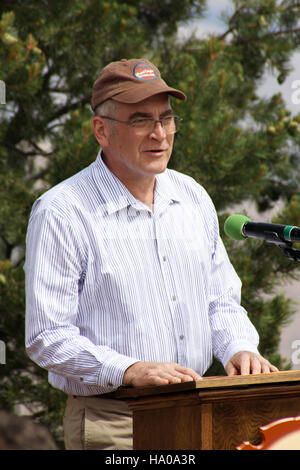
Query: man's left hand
{"x": 245, "y": 362}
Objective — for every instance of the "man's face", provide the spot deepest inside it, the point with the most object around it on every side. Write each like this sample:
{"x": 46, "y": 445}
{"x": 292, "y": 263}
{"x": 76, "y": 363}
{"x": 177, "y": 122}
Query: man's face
{"x": 132, "y": 156}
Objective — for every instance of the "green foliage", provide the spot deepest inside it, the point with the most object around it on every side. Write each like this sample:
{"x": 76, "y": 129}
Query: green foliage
{"x": 239, "y": 146}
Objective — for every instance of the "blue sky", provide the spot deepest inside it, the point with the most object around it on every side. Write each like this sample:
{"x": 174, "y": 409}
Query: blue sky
{"x": 213, "y": 23}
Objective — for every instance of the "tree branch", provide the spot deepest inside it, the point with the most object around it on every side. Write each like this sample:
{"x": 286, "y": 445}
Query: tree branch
{"x": 40, "y": 151}
{"x": 286, "y": 31}
{"x": 37, "y": 176}
{"x": 67, "y": 108}
{"x": 236, "y": 13}
{"x": 16, "y": 149}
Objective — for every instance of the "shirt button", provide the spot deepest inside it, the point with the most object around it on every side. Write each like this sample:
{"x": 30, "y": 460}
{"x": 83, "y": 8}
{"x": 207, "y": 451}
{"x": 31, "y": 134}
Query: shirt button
{"x": 174, "y": 297}
{"x": 81, "y": 379}
{"x": 181, "y": 337}
{"x": 164, "y": 258}
{"x": 109, "y": 384}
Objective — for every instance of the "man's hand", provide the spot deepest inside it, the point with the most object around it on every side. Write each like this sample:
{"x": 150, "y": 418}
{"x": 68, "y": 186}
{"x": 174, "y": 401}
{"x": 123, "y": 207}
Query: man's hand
{"x": 245, "y": 362}
{"x": 142, "y": 374}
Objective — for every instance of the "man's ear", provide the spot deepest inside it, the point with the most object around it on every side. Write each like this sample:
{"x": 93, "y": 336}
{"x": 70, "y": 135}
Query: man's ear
{"x": 100, "y": 131}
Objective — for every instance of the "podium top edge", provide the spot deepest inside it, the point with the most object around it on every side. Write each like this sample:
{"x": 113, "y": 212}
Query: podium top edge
{"x": 251, "y": 379}
{"x": 210, "y": 382}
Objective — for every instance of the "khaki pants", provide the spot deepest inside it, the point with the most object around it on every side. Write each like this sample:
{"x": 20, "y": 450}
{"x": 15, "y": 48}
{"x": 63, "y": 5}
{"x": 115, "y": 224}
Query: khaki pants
{"x": 92, "y": 423}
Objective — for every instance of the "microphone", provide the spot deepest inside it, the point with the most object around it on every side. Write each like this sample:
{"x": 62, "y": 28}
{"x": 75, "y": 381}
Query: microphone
{"x": 239, "y": 227}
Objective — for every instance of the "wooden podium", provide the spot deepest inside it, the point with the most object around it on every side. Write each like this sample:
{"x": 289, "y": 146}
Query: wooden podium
{"x": 215, "y": 413}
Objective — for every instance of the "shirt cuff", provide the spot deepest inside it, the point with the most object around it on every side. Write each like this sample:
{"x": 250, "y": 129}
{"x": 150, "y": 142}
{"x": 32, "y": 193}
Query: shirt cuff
{"x": 112, "y": 371}
{"x": 236, "y": 347}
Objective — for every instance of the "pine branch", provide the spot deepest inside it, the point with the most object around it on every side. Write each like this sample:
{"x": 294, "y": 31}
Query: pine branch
{"x": 67, "y": 108}
{"x": 286, "y": 31}
{"x": 56, "y": 90}
{"x": 236, "y": 13}
{"x": 37, "y": 176}
{"x": 38, "y": 148}
{"x": 19, "y": 151}
{"x": 30, "y": 153}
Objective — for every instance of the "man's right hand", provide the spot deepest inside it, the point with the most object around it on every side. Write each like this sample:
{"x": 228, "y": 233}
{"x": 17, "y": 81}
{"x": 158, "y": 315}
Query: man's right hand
{"x": 142, "y": 374}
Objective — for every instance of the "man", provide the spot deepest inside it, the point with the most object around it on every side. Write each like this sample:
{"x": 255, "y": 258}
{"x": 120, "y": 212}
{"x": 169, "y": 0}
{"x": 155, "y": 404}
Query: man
{"x": 127, "y": 279}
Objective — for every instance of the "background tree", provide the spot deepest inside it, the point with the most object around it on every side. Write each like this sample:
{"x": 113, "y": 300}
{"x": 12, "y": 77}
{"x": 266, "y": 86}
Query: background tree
{"x": 239, "y": 146}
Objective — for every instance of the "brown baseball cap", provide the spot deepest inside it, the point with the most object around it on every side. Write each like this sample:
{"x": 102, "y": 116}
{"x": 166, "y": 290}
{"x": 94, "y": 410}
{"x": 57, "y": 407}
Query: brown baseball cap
{"x": 130, "y": 81}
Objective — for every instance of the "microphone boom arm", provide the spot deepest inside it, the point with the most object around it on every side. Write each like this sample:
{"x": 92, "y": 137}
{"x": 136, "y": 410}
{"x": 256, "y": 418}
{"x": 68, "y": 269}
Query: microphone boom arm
{"x": 286, "y": 247}
{"x": 290, "y": 252}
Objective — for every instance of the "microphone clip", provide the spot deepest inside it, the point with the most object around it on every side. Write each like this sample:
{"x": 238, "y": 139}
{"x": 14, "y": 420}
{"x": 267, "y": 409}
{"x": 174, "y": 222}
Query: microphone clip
{"x": 285, "y": 246}
{"x": 290, "y": 252}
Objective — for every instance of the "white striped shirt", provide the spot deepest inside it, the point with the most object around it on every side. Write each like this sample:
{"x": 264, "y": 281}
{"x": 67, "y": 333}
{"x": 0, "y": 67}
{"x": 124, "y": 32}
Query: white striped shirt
{"x": 109, "y": 282}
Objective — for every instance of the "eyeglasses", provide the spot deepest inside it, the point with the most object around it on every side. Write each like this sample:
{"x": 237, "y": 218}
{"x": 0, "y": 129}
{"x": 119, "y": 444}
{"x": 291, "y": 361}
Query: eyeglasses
{"x": 143, "y": 126}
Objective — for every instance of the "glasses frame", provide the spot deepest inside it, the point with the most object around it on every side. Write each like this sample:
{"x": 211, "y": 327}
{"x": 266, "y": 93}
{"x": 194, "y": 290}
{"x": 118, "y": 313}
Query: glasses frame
{"x": 155, "y": 121}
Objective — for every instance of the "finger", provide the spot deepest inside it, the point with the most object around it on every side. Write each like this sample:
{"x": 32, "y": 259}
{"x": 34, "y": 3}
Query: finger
{"x": 165, "y": 380}
{"x": 231, "y": 369}
{"x": 186, "y": 378}
{"x": 173, "y": 378}
{"x": 188, "y": 374}
{"x": 267, "y": 367}
{"x": 157, "y": 378}
{"x": 143, "y": 381}
{"x": 257, "y": 366}
{"x": 244, "y": 364}
{"x": 165, "y": 374}
{"x": 177, "y": 377}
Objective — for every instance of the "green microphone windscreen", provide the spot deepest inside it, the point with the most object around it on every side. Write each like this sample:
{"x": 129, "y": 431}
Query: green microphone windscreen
{"x": 234, "y": 224}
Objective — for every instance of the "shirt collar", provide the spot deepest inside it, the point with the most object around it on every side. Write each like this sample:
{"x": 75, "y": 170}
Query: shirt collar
{"x": 165, "y": 188}
{"x": 116, "y": 194}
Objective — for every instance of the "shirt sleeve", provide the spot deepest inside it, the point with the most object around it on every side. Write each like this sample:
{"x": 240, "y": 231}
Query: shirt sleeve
{"x": 232, "y": 331}
{"x": 54, "y": 268}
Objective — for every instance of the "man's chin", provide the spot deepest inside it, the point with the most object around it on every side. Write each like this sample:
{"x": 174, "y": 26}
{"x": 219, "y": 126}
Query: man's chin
{"x": 156, "y": 166}
{"x": 157, "y": 169}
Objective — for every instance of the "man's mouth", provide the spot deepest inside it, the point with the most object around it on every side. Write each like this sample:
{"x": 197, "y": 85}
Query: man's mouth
{"x": 155, "y": 151}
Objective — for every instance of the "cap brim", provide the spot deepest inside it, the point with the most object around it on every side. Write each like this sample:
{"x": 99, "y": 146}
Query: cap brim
{"x": 140, "y": 93}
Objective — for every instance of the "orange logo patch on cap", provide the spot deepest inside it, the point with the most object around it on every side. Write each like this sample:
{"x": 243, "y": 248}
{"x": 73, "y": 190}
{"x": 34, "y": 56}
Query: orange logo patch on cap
{"x": 144, "y": 72}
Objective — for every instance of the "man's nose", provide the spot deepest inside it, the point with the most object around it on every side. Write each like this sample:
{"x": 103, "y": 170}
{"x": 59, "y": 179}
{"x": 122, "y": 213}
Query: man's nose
{"x": 158, "y": 131}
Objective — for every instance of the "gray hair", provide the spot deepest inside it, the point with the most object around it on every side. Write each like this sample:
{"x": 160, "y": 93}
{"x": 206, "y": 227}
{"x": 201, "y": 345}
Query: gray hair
{"x": 108, "y": 107}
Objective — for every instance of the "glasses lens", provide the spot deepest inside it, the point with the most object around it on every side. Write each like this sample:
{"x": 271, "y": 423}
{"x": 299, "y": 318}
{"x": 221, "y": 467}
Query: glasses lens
{"x": 170, "y": 125}
{"x": 142, "y": 126}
